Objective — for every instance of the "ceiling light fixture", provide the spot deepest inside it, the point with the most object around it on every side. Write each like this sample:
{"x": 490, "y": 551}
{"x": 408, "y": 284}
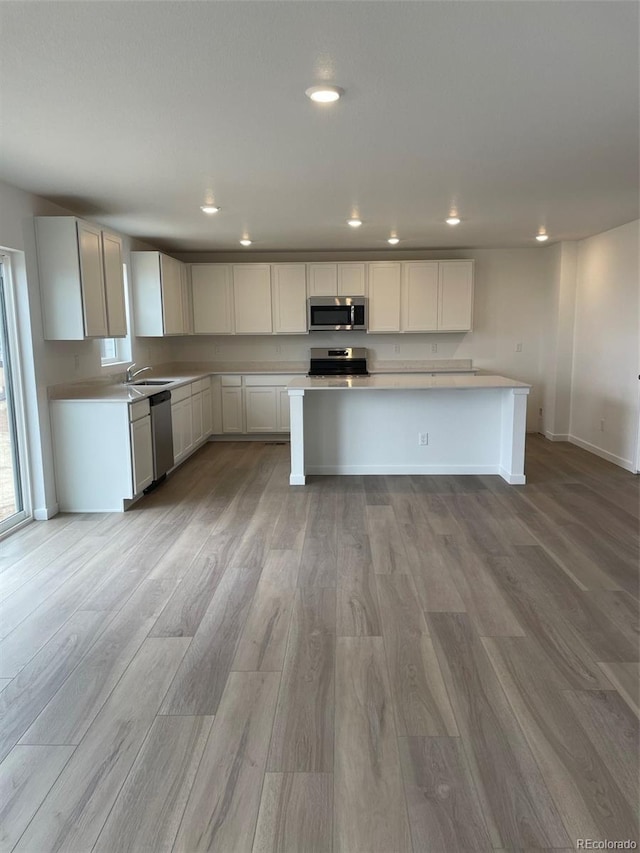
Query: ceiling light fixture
{"x": 542, "y": 235}
{"x": 324, "y": 94}
{"x": 209, "y": 208}
{"x": 354, "y": 223}
{"x": 453, "y": 219}
{"x": 246, "y": 241}
{"x": 393, "y": 240}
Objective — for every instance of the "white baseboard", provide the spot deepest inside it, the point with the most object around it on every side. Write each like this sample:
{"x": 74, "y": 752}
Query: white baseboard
{"x": 513, "y": 479}
{"x": 556, "y": 436}
{"x": 44, "y": 513}
{"x": 627, "y": 464}
{"x": 402, "y": 469}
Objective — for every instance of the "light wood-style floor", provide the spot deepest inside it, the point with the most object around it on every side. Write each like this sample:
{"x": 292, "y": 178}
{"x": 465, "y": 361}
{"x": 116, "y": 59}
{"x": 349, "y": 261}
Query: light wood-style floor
{"x": 360, "y": 665}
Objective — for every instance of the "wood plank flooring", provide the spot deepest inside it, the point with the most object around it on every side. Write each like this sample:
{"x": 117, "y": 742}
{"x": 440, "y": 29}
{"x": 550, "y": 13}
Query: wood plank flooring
{"x": 360, "y": 665}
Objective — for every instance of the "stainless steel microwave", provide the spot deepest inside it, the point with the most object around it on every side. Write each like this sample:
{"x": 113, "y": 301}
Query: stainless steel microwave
{"x": 337, "y": 313}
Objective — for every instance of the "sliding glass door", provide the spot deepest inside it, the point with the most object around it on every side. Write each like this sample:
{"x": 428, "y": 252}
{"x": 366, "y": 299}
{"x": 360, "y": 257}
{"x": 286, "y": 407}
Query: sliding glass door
{"x": 14, "y": 504}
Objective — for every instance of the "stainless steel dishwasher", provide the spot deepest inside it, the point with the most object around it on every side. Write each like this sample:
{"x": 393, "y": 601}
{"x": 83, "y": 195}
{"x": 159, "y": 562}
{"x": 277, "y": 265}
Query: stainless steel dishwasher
{"x": 161, "y": 435}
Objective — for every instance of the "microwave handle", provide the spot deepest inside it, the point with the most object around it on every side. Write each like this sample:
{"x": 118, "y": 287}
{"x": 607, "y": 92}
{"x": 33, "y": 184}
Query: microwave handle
{"x": 353, "y": 315}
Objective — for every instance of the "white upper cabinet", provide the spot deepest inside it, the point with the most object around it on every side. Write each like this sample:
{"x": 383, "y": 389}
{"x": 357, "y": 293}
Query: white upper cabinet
{"x": 384, "y": 296}
{"x": 339, "y": 279}
{"x": 455, "y": 296}
{"x": 158, "y": 301}
{"x": 352, "y": 279}
{"x": 289, "y": 292}
{"x": 212, "y": 293}
{"x": 252, "y": 299}
{"x": 72, "y": 283}
{"x": 114, "y": 285}
{"x": 323, "y": 279}
{"x": 419, "y": 296}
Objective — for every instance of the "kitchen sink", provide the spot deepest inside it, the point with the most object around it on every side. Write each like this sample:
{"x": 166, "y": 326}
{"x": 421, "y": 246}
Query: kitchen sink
{"x": 152, "y": 382}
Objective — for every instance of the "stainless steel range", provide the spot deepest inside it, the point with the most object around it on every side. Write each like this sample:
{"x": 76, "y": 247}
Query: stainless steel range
{"x": 338, "y": 361}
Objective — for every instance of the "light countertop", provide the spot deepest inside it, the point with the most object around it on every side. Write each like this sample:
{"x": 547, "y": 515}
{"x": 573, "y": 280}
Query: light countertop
{"x": 405, "y": 382}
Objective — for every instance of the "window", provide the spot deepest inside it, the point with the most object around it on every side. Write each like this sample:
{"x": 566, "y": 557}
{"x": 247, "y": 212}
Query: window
{"x": 118, "y": 350}
{"x": 14, "y": 483}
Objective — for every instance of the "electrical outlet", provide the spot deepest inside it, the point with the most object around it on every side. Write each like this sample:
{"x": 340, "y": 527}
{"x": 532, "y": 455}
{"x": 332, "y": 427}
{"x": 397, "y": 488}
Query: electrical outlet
{"x": 518, "y": 347}
{"x": 540, "y": 411}
{"x": 423, "y": 439}
{"x": 216, "y": 350}
{"x": 396, "y": 348}
{"x": 434, "y": 347}
{"x": 278, "y": 348}
{"x": 602, "y": 425}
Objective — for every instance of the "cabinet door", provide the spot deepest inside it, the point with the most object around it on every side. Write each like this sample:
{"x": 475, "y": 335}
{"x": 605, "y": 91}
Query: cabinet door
{"x": 252, "y": 299}
{"x": 216, "y": 405}
{"x": 207, "y": 420}
{"x": 420, "y": 296}
{"x": 384, "y": 296}
{"x": 232, "y": 410}
{"x": 323, "y": 280}
{"x": 289, "y": 289}
{"x": 187, "y": 303}
{"x": 94, "y": 307}
{"x": 283, "y": 410}
{"x": 172, "y": 319}
{"x": 141, "y": 454}
{"x": 352, "y": 279}
{"x": 177, "y": 430}
{"x": 261, "y": 409}
{"x": 455, "y": 296}
{"x": 212, "y": 299}
{"x": 196, "y": 416}
{"x": 187, "y": 425}
{"x": 114, "y": 285}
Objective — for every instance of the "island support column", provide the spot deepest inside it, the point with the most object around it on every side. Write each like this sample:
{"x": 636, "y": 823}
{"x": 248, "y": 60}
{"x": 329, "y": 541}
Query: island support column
{"x": 296, "y": 414}
{"x": 514, "y": 426}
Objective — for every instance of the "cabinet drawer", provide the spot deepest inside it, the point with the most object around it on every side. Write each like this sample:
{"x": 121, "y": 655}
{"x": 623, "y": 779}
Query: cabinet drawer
{"x": 138, "y": 410}
{"x": 231, "y": 381}
{"x": 181, "y": 393}
{"x": 200, "y": 385}
{"x": 268, "y": 380}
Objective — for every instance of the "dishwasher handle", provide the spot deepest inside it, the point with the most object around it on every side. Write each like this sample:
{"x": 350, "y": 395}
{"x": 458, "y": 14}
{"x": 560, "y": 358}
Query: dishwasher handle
{"x": 161, "y": 397}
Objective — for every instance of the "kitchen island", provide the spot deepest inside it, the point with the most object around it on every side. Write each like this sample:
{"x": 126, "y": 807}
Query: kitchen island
{"x": 408, "y": 424}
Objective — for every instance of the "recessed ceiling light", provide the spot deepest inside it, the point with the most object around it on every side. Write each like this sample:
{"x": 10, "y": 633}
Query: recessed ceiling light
{"x": 393, "y": 240}
{"x": 246, "y": 241}
{"x": 354, "y": 223}
{"x": 209, "y": 208}
{"x": 542, "y": 236}
{"x": 324, "y": 94}
{"x": 453, "y": 220}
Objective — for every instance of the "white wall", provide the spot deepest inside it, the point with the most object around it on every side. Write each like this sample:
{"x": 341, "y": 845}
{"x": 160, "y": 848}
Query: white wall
{"x": 510, "y": 308}
{"x": 606, "y": 362}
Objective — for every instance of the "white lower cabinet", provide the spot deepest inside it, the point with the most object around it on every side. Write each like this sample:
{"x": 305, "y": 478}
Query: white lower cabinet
{"x": 207, "y": 414}
{"x": 103, "y": 479}
{"x": 256, "y": 404}
{"x": 141, "y": 454}
{"x": 197, "y": 428}
{"x": 190, "y": 417}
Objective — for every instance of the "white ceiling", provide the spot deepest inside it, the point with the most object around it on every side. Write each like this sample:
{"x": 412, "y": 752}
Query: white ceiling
{"x": 523, "y": 114}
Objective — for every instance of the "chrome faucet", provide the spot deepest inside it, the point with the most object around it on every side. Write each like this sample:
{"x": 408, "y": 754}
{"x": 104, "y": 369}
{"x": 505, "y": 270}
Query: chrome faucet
{"x": 131, "y": 373}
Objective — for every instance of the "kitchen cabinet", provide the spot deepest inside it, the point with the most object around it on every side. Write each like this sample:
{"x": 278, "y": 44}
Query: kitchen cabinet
{"x": 197, "y": 426}
{"x": 141, "y": 447}
{"x": 190, "y": 417}
{"x": 216, "y": 405}
{"x": 212, "y": 294}
{"x": 158, "y": 294}
{"x": 232, "y": 408}
{"x": 337, "y": 279}
{"x": 114, "y": 285}
{"x": 207, "y": 413}
{"x": 289, "y": 297}
{"x": 72, "y": 282}
{"x": 384, "y": 296}
{"x": 255, "y": 404}
{"x": 252, "y": 299}
{"x": 104, "y": 481}
{"x": 419, "y": 296}
{"x": 187, "y": 301}
{"x": 455, "y": 296}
